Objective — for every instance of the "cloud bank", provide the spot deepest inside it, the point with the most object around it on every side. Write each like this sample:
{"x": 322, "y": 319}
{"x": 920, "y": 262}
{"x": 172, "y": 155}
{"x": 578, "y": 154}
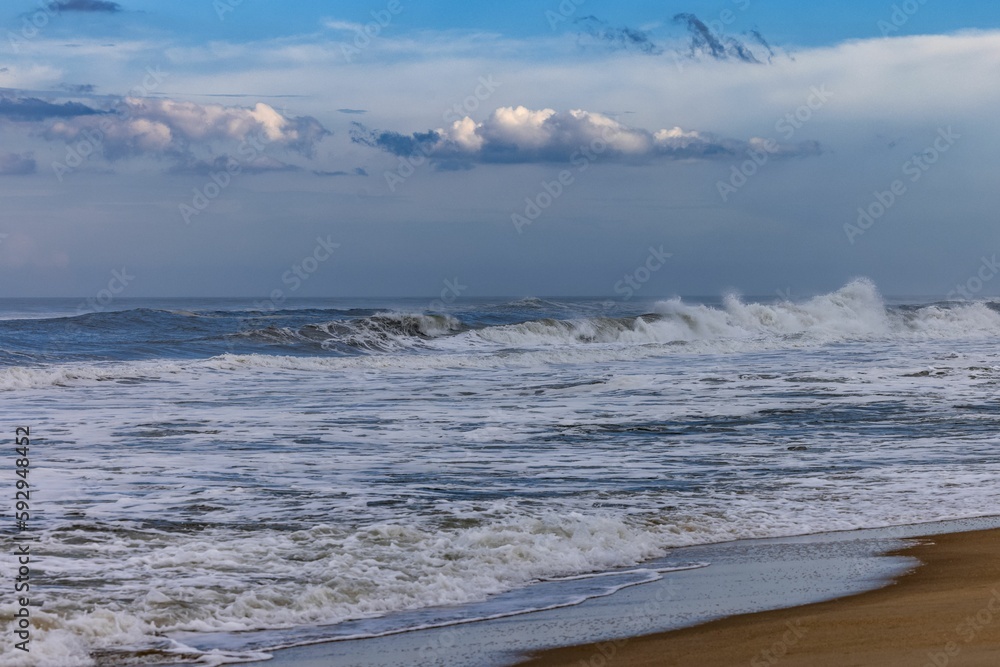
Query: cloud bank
{"x": 257, "y": 164}
{"x": 144, "y": 126}
{"x": 520, "y": 135}
{"x": 33, "y": 108}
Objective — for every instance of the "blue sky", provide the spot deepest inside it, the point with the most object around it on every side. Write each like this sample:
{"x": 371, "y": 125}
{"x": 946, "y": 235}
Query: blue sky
{"x": 209, "y": 147}
{"x": 795, "y": 23}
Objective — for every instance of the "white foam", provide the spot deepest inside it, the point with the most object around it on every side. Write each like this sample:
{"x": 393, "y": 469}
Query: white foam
{"x": 855, "y": 312}
{"x": 253, "y": 492}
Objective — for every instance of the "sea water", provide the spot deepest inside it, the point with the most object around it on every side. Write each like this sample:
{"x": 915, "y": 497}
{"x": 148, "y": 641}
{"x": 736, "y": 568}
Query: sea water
{"x": 211, "y": 479}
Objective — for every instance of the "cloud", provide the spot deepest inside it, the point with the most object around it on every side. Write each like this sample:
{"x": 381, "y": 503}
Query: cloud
{"x": 520, "y": 135}
{"x": 702, "y": 40}
{"x": 618, "y": 38}
{"x": 85, "y": 6}
{"x": 33, "y": 108}
{"x": 719, "y": 47}
{"x": 14, "y": 164}
{"x": 353, "y": 111}
{"x": 170, "y": 127}
{"x": 78, "y": 88}
{"x": 256, "y": 165}
{"x": 759, "y": 38}
{"x": 346, "y": 26}
{"x": 357, "y": 171}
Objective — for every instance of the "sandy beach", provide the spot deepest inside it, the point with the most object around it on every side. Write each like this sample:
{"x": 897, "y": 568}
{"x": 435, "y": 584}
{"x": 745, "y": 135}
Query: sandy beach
{"x": 942, "y": 613}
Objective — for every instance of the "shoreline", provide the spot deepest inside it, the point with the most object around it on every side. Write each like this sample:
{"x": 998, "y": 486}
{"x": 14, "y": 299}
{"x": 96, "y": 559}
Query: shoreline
{"x": 745, "y": 578}
{"x": 944, "y": 612}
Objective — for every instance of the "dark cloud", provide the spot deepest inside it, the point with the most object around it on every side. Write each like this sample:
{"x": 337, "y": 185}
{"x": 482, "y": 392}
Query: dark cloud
{"x": 740, "y": 51}
{"x": 33, "y": 108}
{"x": 85, "y": 6}
{"x": 78, "y": 88}
{"x": 759, "y": 38}
{"x": 706, "y": 42}
{"x": 519, "y": 135}
{"x": 357, "y": 171}
{"x": 618, "y": 38}
{"x": 394, "y": 142}
{"x": 14, "y": 164}
{"x": 309, "y": 131}
{"x": 353, "y": 111}
{"x": 702, "y": 38}
{"x": 703, "y": 41}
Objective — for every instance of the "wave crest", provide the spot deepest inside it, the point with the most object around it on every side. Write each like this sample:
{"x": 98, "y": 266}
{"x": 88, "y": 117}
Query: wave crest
{"x": 382, "y": 332}
{"x": 854, "y": 312}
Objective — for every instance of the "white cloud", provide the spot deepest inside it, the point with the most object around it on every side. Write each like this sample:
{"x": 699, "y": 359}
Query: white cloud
{"x": 348, "y": 26}
{"x": 28, "y": 76}
{"x": 518, "y": 134}
{"x": 898, "y": 85}
{"x": 158, "y": 126}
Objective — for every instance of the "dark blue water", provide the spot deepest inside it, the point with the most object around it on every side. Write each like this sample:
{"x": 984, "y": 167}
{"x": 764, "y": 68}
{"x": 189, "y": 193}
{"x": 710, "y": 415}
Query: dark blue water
{"x": 57, "y": 330}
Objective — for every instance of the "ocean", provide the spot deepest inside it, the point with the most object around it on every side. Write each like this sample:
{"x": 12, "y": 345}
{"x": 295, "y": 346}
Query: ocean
{"x": 212, "y": 479}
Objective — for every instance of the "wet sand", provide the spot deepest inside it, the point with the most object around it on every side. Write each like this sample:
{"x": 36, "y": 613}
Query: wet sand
{"x": 944, "y": 613}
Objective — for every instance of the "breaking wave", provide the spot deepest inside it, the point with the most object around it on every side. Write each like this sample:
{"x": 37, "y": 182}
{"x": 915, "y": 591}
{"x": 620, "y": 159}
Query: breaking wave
{"x": 384, "y": 332}
{"x": 855, "y": 312}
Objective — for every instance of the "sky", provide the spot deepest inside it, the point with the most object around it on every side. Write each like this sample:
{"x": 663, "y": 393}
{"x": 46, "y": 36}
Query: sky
{"x": 577, "y": 148}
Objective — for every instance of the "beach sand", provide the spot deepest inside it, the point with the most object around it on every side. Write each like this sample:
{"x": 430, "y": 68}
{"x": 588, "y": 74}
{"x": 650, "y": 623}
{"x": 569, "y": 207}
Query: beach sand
{"x": 944, "y": 613}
